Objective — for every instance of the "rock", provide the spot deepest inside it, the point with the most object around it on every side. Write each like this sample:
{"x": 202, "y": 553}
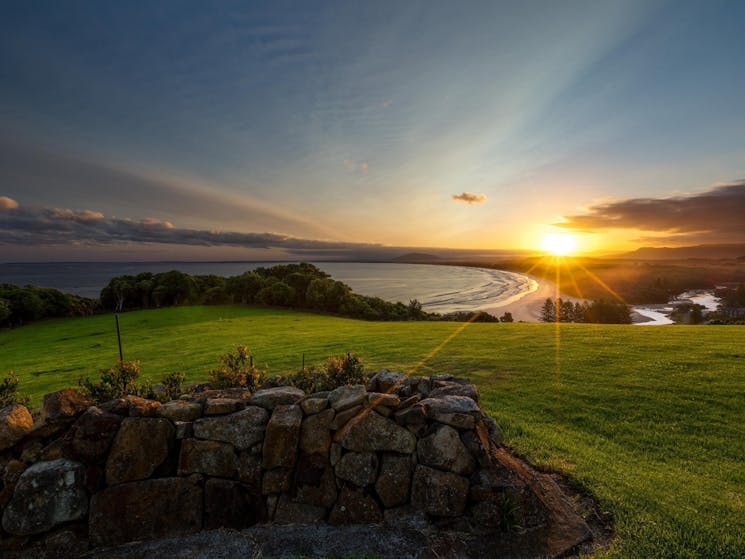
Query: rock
{"x": 47, "y": 494}
{"x": 241, "y": 394}
{"x": 314, "y": 405}
{"x": 289, "y": 512}
{"x": 410, "y": 401}
{"x": 407, "y": 517}
{"x": 385, "y": 381}
{"x": 355, "y": 507}
{"x": 63, "y": 405}
{"x": 346, "y": 397}
{"x": 314, "y": 483}
{"x": 487, "y": 516}
{"x": 282, "y": 436}
{"x": 12, "y": 472}
{"x": 207, "y": 457}
{"x": 394, "y": 481}
{"x": 276, "y": 481}
{"x": 412, "y": 415}
{"x": 472, "y": 442}
{"x": 145, "y": 510}
{"x": 31, "y": 451}
{"x": 229, "y": 504}
{"x": 315, "y": 432}
{"x": 460, "y": 421}
{"x": 180, "y": 410}
{"x": 62, "y": 543}
{"x": 495, "y": 431}
{"x": 184, "y": 429}
{"x": 387, "y": 400}
{"x": 334, "y": 453}
{"x": 140, "y": 446}
{"x": 90, "y": 437}
{"x": 242, "y": 429}
{"x": 343, "y": 417}
{"x": 132, "y": 406}
{"x": 15, "y": 422}
{"x": 445, "y": 405}
{"x": 221, "y": 406}
{"x": 359, "y": 468}
{"x": 54, "y": 450}
{"x": 444, "y": 450}
{"x": 438, "y": 493}
{"x": 269, "y": 398}
{"x": 449, "y": 388}
{"x": 249, "y": 469}
{"x": 373, "y": 432}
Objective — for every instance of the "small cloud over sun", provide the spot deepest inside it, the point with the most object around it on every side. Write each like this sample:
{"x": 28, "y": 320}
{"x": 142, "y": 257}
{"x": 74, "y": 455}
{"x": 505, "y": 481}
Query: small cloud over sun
{"x": 469, "y": 198}
{"x": 8, "y": 203}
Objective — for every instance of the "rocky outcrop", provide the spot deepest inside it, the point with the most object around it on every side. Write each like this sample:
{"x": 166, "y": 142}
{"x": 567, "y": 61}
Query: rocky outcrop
{"x": 418, "y": 455}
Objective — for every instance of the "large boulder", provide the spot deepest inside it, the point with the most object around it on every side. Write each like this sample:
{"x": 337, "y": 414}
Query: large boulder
{"x": 371, "y": 432}
{"x": 346, "y": 397}
{"x": 63, "y": 405}
{"x": 314, "y": 405}
{"x": 145, "y": 510}
{"x": 90, "y": 437}
{"x": 222, "y": 406}
{"x": 394, "y": 481}
{"x": 180, "y": 410}
{"x": 132, "y": 406}
{"x": 140, "y": 446}
{"x": 15, "y": 422}
{"x": 282, "y": 437}
{"x": 438, "y": 493}
{"x": 212, "y": 458}
{"x": 47, "y": 494}
{"x": 361, "y": 468}
{"x": 270, "y": 398}
{"x": 385, "y": 381}
{"x": 443, "y": 449}
{"x": 315, "y": 432}
{"x": 242, "y": 429}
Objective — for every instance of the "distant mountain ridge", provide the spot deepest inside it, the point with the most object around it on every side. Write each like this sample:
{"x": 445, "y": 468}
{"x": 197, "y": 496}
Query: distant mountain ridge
{"x": 416, "y": 257}
{"x": 721, "y": 251}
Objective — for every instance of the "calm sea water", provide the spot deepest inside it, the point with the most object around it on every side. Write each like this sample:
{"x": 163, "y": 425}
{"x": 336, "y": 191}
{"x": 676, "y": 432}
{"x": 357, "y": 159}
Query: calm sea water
{"x": 439, "y": 288}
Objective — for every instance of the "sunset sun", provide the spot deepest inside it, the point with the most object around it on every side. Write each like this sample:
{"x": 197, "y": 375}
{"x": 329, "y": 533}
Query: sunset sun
{"x": 559, "y": 244}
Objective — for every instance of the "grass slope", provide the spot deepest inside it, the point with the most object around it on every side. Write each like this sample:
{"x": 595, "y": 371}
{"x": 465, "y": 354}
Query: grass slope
{"x": 649, "y": 419}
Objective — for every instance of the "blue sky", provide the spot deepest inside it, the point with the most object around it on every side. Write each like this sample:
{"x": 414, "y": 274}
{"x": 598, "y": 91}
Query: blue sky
{"x": 358, "y": 122}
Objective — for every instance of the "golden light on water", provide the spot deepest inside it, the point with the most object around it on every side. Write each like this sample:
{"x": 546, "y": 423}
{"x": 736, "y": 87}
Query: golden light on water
{"x": 559, "y": 244}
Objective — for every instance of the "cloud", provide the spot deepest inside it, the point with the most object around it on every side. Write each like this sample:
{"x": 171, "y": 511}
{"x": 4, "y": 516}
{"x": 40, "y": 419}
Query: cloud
{"x": 469, "y": 198}
{"x": 717, "y": 215}
{"x": 62, "y": 226}
{"x": 7, "y": 203}
{"x": 354, "y": 167}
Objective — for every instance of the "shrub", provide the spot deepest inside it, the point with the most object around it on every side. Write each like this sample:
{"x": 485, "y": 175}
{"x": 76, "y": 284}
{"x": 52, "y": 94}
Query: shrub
{"x": 237, "y": 371}
{"x": 173, "y": 385}
{"x": 345, "y": 370}
{"x": 9, "y": 391}
{"x": 310, "y": 380}
{"x": 117, "y": 382}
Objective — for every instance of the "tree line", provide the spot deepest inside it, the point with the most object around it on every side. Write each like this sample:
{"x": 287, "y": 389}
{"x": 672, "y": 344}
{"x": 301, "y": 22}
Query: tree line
{"x": 599, "y": 311}
{"x": 21, "y": 305}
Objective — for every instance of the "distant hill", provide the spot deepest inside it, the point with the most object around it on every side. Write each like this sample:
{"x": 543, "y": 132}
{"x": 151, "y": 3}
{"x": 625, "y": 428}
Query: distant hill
{"x": 416, "y": 257}
{"x": 712, "y": 252}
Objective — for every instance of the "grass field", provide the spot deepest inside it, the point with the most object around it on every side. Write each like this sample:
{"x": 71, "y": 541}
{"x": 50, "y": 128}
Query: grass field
{"x": 651, "y": 420}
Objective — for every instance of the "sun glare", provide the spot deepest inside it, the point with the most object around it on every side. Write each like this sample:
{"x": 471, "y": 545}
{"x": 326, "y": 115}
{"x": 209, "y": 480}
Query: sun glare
{"x": 559, "y": 244}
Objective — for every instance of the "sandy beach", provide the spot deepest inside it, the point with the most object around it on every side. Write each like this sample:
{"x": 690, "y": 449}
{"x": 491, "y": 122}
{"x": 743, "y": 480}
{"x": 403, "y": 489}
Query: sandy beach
{"x": 528, "y": 307}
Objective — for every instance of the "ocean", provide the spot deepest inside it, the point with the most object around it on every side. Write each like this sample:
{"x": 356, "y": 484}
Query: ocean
{"x": 441, "y": 289}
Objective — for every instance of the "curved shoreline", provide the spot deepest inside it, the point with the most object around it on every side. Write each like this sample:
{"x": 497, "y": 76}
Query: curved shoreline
{"x": 527, "y": 307}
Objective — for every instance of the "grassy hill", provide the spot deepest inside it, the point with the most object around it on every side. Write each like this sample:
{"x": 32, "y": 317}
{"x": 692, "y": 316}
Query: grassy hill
{"x": 649, "y": 419}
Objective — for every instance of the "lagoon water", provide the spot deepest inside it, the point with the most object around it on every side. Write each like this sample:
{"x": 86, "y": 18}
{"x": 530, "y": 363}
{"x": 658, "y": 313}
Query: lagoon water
{"x": 440, "y": 289}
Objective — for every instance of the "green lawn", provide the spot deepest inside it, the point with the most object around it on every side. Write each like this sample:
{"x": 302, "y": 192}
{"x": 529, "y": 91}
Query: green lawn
{"x": 651, "y": 420}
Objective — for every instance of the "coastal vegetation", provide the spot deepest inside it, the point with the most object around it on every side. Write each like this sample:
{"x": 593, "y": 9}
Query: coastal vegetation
{"x": 646, "y": 419}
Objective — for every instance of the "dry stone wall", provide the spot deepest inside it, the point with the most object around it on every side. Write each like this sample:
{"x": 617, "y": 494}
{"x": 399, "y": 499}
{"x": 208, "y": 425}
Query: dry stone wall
{"x": 408, "y": 451}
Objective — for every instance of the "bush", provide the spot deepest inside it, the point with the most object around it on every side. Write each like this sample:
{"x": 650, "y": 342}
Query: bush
{"x": 117, "y": 382}
{"x": 345, "y": 370}
{"x": 237, "y": 371}
{"x": 173, "y": 385}
{"x": 310, "y": 380}
{"x": 9, "y": 391}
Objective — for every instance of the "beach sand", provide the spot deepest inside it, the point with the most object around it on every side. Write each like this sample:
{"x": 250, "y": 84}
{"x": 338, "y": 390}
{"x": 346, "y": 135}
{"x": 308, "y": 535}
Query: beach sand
{"x": 528, "y": 307}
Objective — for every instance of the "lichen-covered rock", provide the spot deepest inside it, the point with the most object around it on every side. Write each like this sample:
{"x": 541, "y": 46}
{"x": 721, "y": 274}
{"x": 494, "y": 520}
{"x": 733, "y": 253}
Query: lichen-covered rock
{"x": 90, "y": 437}
{"x": 282, "y": 437}
{"x": 438, "y": 493}
{"x": 314, "y": 405}
{"x": 361, "y": 468}
{"x": 140, "y": 446}
{"x": 385, "y": 381}
{"x": 444, "y": 450}
{"x": 212, "y": 458}
{"x": 15, "y": 422}
{"x": 372, "y": 432}
{"x": 394, "y": 481}
{"x": 249, "y": 469}
{"x": 343, "y": 417}
{"x": 132, "y": 406}
{"x": 230, "y": 504}
{"x": 63, "y": 405}
{"x": 145, "y": 510}
{"x": 221, "y": 406}
{"x": 269, "y": 398}
{"x": 242, "y": 394}
{"x": 374, "y": 399}
{"x": 354, "y": 506}
{"x": 47, "y": 494}
{"x": 434, "y": 408}
{"x": 450, "y": 388}
{"x": 242, "y": 429}
{"x": 315, "y": 432}
{"x": 345, "y": 397}
{"x": 180, "y": 410}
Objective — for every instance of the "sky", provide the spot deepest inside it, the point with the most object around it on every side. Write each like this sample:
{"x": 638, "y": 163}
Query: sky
{"x": 244, "y": 130}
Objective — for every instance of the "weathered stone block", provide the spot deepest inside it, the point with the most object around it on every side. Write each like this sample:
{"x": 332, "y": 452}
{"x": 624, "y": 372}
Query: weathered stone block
{"x": 354, "y": 506}
{"x": 270, "y": 398}
{"x": 394, "y": 481}
{"x": 371, "y": 432}
{"x": 139, "y": 447}
{"x": 282, "y": 436}
{"x": 90, "y": 437}
{"x": 145, "y": 510}
{"x": 47, "y": 494}
{"x": 314, "y": 483}
{"x": 276, "y": 481}
{"x": 359, "y": 468}
{"x": 63, "y": 405}
{"x": 314, "y": 405}
{"x": 212, "y": 458}
{"x": 242, "y": 429}
{"x": 222, "y": 406}
{"x": 346, "y": 397}
{"x": 290, "y": 512}
{"x": 315, "y": 432}
{"x": 343, "y": 417}
{"x": 438, "y": 493}
{"x": 385, "y": 381}
{"x": 444, "y": 450}
{"x": 15, "y": 422}
{"x": 180, "y": 410}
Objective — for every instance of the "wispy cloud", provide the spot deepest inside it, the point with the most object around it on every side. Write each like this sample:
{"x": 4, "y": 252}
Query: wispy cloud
{"x": 715, "y": 215}
{"x": 469, "y": 198}
{"x": 7, "y": 203}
